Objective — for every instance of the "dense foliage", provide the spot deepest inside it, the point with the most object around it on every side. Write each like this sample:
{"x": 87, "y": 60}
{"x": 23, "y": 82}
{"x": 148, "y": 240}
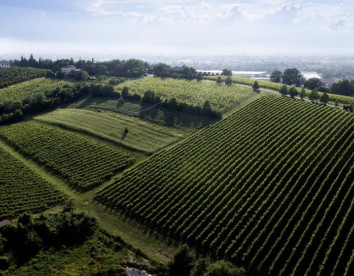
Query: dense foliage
{"x": 15, "y": 75}
{"x": 163, "y": 70}
{"x": 343, "y": 87}
{"x": 23, "y": 190}
{"x": 178, "y": 92}
{"x": 82, "y": 161}
{"x": 264, "y": 188}
{"x": 35, "y": 96}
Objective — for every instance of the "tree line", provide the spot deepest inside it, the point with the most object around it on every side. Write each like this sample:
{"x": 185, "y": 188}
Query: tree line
{"x": 11, "y": 111}
{"x": 293, "y": 76}
{"x": 15, "y": 75}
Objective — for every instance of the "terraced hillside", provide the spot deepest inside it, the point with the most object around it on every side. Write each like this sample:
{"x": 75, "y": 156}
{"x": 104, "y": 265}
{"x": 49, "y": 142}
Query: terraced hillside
{"x": 82, "y": 161}
{"x": 21, "y": 190}
{"x": 270, "y": 187}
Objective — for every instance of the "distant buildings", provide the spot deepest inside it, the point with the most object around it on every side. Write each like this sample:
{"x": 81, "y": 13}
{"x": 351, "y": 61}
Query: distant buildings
{"x": 69, "y": 68}
{"x": 5, "y": 64}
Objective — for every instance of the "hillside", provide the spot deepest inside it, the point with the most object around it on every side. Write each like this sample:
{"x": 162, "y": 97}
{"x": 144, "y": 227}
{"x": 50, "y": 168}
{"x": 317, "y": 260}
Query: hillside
{"x": 270, "y": 187}
{"x": 222, "y": 98}
{"x": 15, "y": 75}
{"x": 141, "y": 136}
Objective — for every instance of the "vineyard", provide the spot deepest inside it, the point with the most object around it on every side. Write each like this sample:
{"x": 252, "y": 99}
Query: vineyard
{"x": 15, "y": 75}
{"x": 270, "y": 188}
{"x": 222, "y": 98}
{"x": 31, "y": 88}
{"x": 277, "y": 86}
{"x": 21, "y": 190}
{"x": 142, "y": 136}
{"x": 82, "y": 161}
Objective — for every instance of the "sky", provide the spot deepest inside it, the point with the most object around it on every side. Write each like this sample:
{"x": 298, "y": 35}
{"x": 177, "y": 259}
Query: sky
{"x": 110, "y": 28}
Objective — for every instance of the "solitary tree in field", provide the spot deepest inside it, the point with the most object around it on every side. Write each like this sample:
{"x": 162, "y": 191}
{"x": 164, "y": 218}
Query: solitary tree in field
{"x": 314, "y": 96}
{"x": 283, "y": 90}
{"x": 276, "y": 76}
{"x": 199, "y": 76}
{"x": 293, "y": 92}
{"x": 228, "y": 80}
{"x": 255, "y": 87}
{"x": 302, "y": 93}
{"x": 293, "y": 76}
{"x": 219, "y": 80}
{"x": 324, "y": 98}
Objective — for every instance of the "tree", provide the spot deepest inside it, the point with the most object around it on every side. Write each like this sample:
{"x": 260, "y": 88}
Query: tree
{"x": 162, "y": 70}
{"x": 200, "y": 267}
{"x": 219, "y": 80}
{"x": 343, "y": 87}
{"x": 228, "y": 80}
{"x": 182, "y": 262}
{"x": 255, "y": 87}
{"x": 292, "y": 76}
{"x": 275, "y": 76}
{"x": 223, "y": 268}
{"x": 313, "y": 83}
{"x": 199, "y": 76}
{"x": 283, "y": 90}
{"x": 125, "y": 92}
{"x": 226, "y": 72}
{"x": 324, "y": 98}
{"x": 293, "y": 92}
{"x": 314, "y": 96}
{"x": 302, "y": 93}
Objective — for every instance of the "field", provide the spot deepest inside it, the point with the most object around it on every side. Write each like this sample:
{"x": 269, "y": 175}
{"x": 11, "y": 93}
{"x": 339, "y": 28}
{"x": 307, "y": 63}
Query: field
{"x": 222, "y": 98}
{"x": 19, "y": 74}
{"x": 83, "y": 162}
{"x": 22, "y": 190}
{"x": 277, "y": 86}
{"x": 184, "y": 121}
{"x": 141, "y": 136}
{"x": 270, "y": 188}
{"x": 18, "y": 92}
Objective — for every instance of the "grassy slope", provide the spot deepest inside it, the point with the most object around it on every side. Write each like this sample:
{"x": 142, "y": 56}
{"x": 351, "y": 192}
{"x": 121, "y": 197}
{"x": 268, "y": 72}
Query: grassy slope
{"x": 277, "y": 86}
{"x": 268, "y": 186}
{"x": 142, "y": 136}
{"x": 222, "y": 98}
{"x": 184, "y": 122}
{"x": 18, "y": 92}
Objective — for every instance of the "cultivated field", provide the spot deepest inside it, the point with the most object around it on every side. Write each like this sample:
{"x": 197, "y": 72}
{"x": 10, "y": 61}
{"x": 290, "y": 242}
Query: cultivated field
{"x": 83, "y": 162}
{"x": 18, "y": 74}
{"x": 277, "y": 86}
{"x": 31, "y": 88}
{"x": 22, "y": 190}
{"x": 270, "y": 187}
{"x": 222, "y": 98}
{"x": 142, "y": 136}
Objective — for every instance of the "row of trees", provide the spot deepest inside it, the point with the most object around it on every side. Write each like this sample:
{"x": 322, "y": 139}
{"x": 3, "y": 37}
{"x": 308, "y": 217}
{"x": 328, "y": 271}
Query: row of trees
{"x": 166, "y": 71}
{"x": 313, "y": 96}
{"x": 187, "y": 264}
{"x": 11, "y": 112}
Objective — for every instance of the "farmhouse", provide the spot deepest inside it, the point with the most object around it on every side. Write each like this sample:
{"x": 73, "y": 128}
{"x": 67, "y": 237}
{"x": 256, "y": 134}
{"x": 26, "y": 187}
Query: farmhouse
{"x": 5, "y": 64}
{"x": 69, "y": 68}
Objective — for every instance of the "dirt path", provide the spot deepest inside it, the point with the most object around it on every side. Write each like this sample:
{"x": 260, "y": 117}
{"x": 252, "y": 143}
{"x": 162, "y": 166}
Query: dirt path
{"x": 114, "y": 223}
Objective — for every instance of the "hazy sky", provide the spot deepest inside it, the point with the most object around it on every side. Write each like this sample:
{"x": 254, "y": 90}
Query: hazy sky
{"x": 109, "y": 28}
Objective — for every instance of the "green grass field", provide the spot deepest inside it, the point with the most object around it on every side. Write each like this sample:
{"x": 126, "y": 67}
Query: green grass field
{"x": 183, "y": 121}
{"x": 83, "y": 162}
{"x": 22, "y": 190}
{"x": 277, "y": 86}
{"x": 142, "y": 135}
{"x": 18, "y": 92}
{"x": 270, "y": 188}
{"x": 222, "y": 98}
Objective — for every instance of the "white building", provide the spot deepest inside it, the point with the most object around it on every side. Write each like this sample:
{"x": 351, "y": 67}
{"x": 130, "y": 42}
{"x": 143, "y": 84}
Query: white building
{"x": 69, "y": 68}
{"x": 5, "y": 64}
